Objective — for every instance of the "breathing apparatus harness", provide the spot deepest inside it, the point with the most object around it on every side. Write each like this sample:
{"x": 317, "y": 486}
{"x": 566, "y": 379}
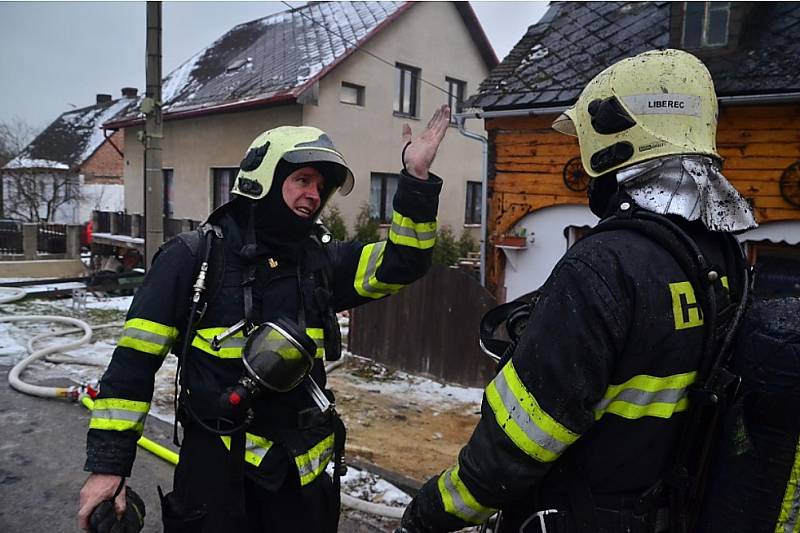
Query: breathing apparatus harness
{"x": 277, "y": 356}
{"x": 681, "y": 487}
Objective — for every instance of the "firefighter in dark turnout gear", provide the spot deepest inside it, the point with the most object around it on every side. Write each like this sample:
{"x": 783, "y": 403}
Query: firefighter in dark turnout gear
{"x": 582, "y": 420}
{"x": 266, "y": 473}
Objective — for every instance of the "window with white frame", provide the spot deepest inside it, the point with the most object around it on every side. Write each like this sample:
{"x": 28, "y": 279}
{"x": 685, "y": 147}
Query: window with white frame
{"x": 705, "y": 24}
{"x": 383, "y": 185}
{"x": 456, "y": 92}
{"x": 406, "y": 90}
{"x": 352, "y": 94}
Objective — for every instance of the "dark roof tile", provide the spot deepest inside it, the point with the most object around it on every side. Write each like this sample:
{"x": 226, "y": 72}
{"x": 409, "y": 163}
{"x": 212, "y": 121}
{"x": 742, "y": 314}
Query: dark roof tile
{"x": 583, "y": 38}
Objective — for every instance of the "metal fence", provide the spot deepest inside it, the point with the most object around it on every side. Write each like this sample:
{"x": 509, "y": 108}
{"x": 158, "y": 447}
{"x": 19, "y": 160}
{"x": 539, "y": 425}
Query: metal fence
{"x": 430, "y": 327}
{"x": 10, "y": 237}
{"x": 51, "y": 238}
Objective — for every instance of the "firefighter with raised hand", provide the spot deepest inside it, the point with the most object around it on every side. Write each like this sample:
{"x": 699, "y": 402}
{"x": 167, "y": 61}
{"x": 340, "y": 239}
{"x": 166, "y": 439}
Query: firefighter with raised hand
{"x": 258, "y": 431}
{"x": 581, "y": 424}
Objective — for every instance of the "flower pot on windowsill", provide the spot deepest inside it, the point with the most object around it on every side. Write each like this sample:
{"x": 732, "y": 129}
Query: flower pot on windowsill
{"x": 511, "y": 241}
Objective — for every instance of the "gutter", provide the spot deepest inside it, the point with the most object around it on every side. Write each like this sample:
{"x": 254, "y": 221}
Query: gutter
{"x": 460, "y": 118}
{"x": 777, "y": 98}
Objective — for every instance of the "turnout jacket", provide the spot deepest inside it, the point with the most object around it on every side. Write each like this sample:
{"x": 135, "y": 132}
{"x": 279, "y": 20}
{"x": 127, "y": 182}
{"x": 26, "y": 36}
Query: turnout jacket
{"x": 358, "y": 273}
{"x": 595, "y": 391}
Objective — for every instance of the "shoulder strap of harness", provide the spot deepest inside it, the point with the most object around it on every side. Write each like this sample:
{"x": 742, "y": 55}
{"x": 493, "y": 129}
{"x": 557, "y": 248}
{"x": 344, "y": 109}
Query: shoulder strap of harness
{"x": 323, "y": 297}
{"x": 207, "y": 257}
{"x": 682, "y": 485}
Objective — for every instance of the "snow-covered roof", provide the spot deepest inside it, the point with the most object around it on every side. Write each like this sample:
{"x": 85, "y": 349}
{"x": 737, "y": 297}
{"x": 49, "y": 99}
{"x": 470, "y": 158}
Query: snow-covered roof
{"x": 574, "y": 41}
{"x": 72, "y": 138}
{"x": 276, "y": 58}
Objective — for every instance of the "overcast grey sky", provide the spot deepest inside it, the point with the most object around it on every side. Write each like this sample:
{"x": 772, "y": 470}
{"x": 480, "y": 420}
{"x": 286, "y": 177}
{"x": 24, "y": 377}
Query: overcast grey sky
{"x": 55, "y": 56}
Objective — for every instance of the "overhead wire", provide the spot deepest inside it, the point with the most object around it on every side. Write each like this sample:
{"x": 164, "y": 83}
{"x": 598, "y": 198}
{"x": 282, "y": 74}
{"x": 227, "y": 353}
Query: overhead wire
{"x": 358, "y": 48}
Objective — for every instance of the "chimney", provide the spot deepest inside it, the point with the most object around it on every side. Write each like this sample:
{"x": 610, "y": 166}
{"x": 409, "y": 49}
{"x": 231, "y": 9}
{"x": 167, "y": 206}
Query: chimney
{"x": 103, "y": 98}
{"x": 129, "y": 92}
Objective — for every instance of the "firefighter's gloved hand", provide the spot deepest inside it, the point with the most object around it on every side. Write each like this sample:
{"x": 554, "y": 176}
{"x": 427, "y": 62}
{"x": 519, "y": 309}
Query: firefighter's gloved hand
{"x": 104, "y": 518}
{"x": 412, "y": 522}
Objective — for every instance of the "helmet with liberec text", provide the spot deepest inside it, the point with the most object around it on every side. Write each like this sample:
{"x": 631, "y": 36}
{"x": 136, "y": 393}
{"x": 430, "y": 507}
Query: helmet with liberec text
{"x": 294, "y": 144}
{"x": 657, "y": 103}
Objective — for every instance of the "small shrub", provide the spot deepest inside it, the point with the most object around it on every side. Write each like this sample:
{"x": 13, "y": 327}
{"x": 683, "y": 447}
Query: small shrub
{"x": 366, "y": 228}
{"x": 334, "y": 221}
{"x": 446, "y": 250}
{"x": 466, "y": 244}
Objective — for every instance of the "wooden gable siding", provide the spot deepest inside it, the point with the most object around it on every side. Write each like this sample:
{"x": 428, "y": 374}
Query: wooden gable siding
{"x": 527, "y": 158}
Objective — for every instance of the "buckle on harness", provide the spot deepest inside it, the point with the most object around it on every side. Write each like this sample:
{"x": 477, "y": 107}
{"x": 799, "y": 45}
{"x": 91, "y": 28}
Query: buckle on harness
{"x": 542, "y": 516}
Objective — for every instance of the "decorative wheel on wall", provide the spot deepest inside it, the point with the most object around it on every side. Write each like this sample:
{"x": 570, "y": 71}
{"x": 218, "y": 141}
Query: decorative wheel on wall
{"x": 575, "y": 178}
{"x": 790, "y": 184}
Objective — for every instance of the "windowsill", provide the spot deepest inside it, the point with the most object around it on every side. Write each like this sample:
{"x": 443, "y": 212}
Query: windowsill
{"x": 472, "y": 225}
{"x": 351, "y": 105}
{"x": 403, "y": 115}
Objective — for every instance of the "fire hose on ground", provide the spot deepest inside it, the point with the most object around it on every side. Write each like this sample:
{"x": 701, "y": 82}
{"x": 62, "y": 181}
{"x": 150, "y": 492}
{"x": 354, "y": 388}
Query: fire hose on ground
{"x": 82, "y": 393}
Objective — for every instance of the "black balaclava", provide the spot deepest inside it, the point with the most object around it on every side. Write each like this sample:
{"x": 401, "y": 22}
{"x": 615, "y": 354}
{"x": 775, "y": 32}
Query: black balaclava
{"x": 601, "y": 191}
{"x": 270, "y": 222}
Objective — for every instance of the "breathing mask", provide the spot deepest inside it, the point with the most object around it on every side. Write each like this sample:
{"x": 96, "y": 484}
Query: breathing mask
{"x": 277, "y": 357}
{"x": 502, "y": 326}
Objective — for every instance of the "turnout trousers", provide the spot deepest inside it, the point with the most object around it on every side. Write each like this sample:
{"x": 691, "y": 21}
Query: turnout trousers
{"x": 207, "y": 497}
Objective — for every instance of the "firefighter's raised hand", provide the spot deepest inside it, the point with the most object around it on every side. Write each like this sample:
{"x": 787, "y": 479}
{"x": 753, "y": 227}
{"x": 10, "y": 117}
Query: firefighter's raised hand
{"x": 418, "y": 154}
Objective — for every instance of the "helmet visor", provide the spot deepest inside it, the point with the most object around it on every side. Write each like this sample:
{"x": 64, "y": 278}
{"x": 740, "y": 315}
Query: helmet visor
{"x": 343, "y": 176}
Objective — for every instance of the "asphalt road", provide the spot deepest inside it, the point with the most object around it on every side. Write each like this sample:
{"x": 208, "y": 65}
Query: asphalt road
{"x": 42, "y": 451}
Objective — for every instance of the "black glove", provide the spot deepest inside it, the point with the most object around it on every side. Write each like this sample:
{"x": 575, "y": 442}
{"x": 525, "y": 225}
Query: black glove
{"x": 411, "y": 523}
{"x": 104, "y": 518}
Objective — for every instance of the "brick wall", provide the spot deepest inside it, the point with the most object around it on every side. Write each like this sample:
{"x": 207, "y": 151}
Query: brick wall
{"x": 105, "y": 165}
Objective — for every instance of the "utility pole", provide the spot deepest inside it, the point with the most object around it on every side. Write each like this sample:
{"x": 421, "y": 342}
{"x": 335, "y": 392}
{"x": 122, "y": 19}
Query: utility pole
{"x": 151, "y": 107}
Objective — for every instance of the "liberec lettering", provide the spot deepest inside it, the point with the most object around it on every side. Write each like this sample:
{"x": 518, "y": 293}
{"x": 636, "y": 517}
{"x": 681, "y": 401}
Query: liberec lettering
{"x": 676, "y": 104}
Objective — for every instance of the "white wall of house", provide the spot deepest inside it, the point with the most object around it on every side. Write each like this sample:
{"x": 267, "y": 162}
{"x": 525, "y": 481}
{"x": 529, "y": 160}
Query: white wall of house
{"x": 432, "y": 37}
{"x": 192, "y": 148}
{"x": 100, "y": 197}
{"x": 528, "y": 269}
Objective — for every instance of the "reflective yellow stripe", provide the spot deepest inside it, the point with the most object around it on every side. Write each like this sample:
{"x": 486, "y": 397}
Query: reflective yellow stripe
{"x": 148, "y": 337}
{"x": 312, "y": 463}
{"x": 646, "y": 395}
{"x": 789, "y": 517}
{"x": 231, "y": 347}
{"x": 255, "y": 449}
{"x": 459, "y": 501}
{"x": 318, "y": 336}
{"x": 406, "y": 232}
{"x": 528, "y": 426}
{"x": 116, "y": 414}
{"x": 365, "y": 283}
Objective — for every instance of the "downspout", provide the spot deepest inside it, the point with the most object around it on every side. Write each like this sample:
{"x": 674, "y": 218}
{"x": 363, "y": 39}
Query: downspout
{"x": 484, "y": 185}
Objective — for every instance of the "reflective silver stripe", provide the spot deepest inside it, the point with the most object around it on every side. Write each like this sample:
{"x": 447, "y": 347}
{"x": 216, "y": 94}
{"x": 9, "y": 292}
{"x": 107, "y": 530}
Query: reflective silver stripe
{"x": 147, "y": 336}
{"x": 119, "y": 414}
{"x": 314, "y": 462}
{"x": 412, "y": 233}
{"x": 365, "y": 282}
{"x": 454, "y": 502}
{"x": 642, "y": 398}
{"x": 517, "y": 412}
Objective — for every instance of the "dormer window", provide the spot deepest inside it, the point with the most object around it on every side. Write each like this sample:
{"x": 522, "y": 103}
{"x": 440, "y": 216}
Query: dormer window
{"x": 706, "y": 24}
